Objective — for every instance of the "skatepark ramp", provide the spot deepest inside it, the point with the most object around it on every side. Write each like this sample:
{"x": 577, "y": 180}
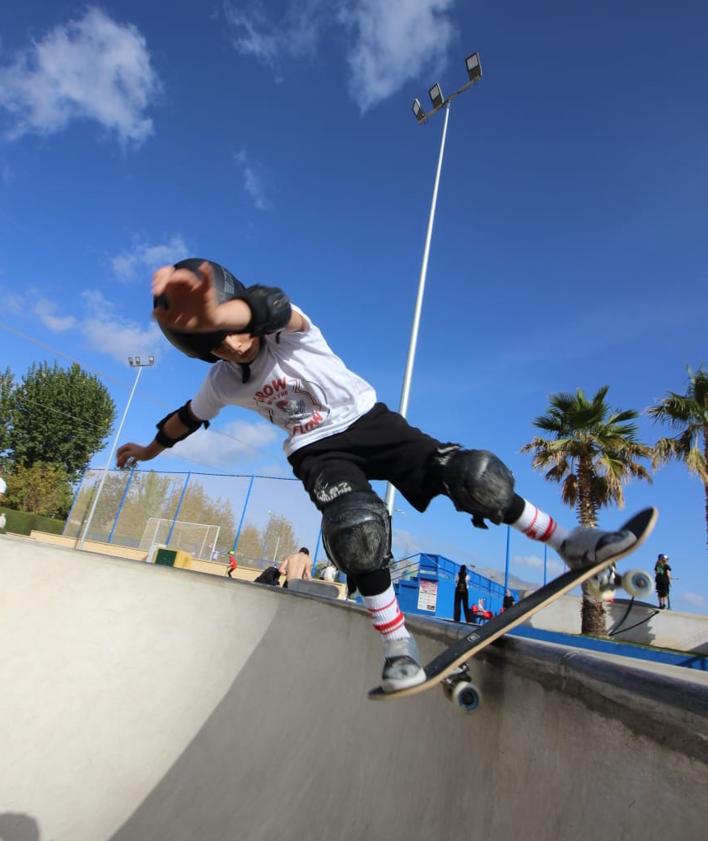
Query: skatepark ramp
{"x": 140, "y": 703}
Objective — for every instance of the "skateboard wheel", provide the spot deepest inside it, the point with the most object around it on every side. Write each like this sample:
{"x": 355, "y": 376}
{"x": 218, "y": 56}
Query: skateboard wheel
{"x": 637, "y": 583}
{"x": 466, "y": 696}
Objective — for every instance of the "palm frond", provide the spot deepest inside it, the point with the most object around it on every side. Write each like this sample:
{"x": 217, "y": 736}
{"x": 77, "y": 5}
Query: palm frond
{"x": 676, "y": 448}
{"x": 696, "y": 463}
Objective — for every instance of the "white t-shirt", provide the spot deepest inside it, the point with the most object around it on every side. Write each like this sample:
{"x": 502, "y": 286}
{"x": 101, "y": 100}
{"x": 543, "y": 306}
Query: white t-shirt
{"x": 3, "y": 485}
{"x": 297, "y": 383}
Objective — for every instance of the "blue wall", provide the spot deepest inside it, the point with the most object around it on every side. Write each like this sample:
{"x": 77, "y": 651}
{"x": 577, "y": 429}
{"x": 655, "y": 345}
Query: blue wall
{"x": 442, "y": 570}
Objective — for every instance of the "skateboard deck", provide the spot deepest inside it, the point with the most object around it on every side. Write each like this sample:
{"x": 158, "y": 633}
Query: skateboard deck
{"x": 452, "y": 658}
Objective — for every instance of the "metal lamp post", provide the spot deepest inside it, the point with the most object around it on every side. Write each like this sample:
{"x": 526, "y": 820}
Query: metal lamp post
{"x": 139, "y": 364}
{"x": 439, "y": 101}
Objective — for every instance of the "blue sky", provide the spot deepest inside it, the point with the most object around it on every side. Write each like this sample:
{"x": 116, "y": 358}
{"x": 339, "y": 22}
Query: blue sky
{"x": 569, "y": 248}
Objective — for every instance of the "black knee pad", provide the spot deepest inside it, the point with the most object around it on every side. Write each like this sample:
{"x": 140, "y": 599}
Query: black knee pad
{"x": 356, "y": 532}
{"x": 477, "y": 482}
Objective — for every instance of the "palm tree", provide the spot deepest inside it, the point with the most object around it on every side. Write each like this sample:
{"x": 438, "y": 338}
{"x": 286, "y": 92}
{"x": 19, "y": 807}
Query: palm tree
{"x": 593, "y": 450}
{"x": 688, "y": 414}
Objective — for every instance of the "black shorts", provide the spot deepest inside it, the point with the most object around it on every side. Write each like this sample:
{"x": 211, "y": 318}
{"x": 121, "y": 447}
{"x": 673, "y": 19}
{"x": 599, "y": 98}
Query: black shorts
{"x": 379, "y": 445}
{"x": 662, "y": 587}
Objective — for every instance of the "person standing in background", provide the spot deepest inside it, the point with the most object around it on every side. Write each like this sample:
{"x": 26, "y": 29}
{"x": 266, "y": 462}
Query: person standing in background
{"x": 462, "y": 598}
{"x": 662, "y": 579}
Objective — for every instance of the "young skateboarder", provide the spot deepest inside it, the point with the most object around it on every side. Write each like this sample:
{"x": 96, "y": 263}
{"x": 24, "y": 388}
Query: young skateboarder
{"x": 268, "y": 356}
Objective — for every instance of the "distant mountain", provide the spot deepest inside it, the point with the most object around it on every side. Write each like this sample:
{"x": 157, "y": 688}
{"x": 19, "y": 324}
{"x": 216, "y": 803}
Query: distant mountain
{"x": 515, "y": 583}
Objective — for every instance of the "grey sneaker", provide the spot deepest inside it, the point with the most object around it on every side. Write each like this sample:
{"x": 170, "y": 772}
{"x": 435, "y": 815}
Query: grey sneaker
{"x": 585, "y": 547}
{"x": 402, "y": 667}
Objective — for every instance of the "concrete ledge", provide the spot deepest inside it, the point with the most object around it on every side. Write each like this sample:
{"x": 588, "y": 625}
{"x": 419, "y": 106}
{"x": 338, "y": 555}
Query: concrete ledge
{"x": 657, "y": 706}
{"x": 98, "y": 546}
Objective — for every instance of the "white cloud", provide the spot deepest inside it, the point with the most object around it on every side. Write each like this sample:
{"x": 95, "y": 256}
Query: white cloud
{"x": 554, "y": 567}
{"x": 107, "y": 332}
{"x": 91, "y": 68}
{"x": 394, "y": 43}
{"x": 227, "y": 446}
{"x": 296, "y": 36}
{"x": 121, "y": 339}
{"x": 391, "y": 41}
{"x": 12, "y": 302}
{"x": 694, "y": 599}
{"x": 404, "y": 543}
{"x": 46, "y": 311}
{"x": 145, "y": 258}
{"x": 253, "y": 181}
{"x": 251, "y": 35}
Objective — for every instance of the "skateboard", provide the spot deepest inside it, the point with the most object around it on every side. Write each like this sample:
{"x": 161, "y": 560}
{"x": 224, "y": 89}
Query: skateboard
{"x": 449, "y": 667}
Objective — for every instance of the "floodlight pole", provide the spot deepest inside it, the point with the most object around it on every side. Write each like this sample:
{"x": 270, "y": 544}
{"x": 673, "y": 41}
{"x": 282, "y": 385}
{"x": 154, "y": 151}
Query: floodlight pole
{"x": 408, "y": 375}
{"x": 135, "y": 362}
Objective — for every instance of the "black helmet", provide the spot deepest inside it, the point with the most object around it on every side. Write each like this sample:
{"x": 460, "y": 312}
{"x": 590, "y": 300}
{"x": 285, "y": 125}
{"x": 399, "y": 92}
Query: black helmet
{"x": 200, "y": 345}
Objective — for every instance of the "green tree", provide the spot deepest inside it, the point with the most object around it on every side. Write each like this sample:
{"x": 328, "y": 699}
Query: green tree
{"x": 6, "y": 390}
{"x": 59, "y": 416}
{"x": 688, "y": 415}
{"x": 278, "y": 538}
{"x": 151, "y": 494}
{"x": 40, "y": 489}
{"x": 250, "y": 544}
{"x": 593, "y": 451}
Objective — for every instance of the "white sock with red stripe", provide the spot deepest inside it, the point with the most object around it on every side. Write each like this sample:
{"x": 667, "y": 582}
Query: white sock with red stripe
{"x": 386, "y": 616}
{"x": 538, "y": 525}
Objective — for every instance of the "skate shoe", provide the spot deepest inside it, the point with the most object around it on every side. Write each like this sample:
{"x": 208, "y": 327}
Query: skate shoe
{"x": 401, "y": 665}
{"x": 585, "y": 547}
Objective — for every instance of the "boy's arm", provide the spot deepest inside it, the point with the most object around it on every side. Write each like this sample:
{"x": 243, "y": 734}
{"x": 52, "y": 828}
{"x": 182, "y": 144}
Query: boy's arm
{"x": 171, "y": 429}
{"x": 298, "y": 323}
{"x": 232, "y": 313}
{"x": 186, "y": 300}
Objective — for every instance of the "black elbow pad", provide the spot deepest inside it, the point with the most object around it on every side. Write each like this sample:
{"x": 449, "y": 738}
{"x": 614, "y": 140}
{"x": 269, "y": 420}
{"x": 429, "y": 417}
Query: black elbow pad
{"x": 270, "y": 309}
{"x": 187, "y": 418}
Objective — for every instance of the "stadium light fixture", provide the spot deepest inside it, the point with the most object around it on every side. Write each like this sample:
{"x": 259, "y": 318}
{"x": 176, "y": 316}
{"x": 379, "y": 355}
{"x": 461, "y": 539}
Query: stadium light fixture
{"x": 474, "y": 68}
{"x": 418, "y": 112}
{"x": 436, "y": 95}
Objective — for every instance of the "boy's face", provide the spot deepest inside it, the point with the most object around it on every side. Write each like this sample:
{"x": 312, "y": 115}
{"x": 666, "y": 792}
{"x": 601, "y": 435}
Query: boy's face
{"x": 238, "y": 347}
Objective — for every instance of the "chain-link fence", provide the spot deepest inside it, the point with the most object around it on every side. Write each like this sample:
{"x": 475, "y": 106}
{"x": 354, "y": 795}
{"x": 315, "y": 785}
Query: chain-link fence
{"x": 264, "y": 518}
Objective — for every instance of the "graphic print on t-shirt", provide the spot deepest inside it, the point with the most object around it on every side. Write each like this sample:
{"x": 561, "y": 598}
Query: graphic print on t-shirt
{"x": 293, "y": 404}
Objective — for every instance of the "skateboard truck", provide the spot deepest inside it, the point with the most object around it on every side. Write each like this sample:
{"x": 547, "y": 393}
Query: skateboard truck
{"x": 636, "y": 583}
{"x": 459, "y": 689}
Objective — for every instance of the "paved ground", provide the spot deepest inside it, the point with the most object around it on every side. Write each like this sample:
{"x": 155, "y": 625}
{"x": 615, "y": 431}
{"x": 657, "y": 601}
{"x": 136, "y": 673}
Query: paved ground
{"x": 141, "y": 703}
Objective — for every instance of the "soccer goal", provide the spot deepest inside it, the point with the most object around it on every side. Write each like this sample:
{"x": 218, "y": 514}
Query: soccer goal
{"x": 199, "y": 539}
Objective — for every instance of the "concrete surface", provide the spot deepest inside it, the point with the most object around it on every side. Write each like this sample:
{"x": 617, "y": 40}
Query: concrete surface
{"x": 140, "y": 703}
{"x": 243, "y": 572}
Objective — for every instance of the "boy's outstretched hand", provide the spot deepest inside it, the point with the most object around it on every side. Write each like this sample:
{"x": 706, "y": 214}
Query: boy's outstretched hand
{"x": 186, "y": 300}
{"x": 129, "y": 454}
